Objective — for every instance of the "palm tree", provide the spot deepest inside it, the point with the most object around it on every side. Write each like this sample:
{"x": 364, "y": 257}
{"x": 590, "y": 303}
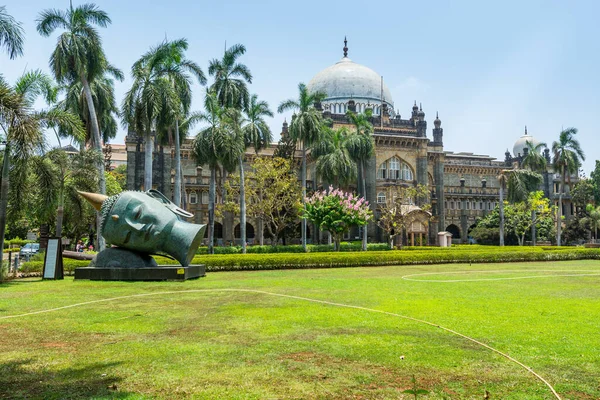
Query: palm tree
{"x": 567, "y": 159}
{"x": 231, "y": 78}
{"x": 143, "y": 103}
{"x": 103, "y": 95}
{"x": 306, "y": 126}
{"x": 79, "y": 56}
{"x": 23, "y": 131}
{"x": 520, "y": 183}
{"x": 59, "y": 176}
{"x": 334, "y": 162}
{"x": 594, "y": 212}
{"x": 361, "y": 147}
{"x": 207, "y": 150}
{"x": 257, "y": 134}
{"x": 12, "y": 35}
{"x": 536, "y": 162}
{"x": 170, "y": 63}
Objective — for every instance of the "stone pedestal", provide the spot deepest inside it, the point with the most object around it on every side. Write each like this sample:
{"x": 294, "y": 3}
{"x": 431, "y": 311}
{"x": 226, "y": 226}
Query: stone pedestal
{"x": 158, "y": 273}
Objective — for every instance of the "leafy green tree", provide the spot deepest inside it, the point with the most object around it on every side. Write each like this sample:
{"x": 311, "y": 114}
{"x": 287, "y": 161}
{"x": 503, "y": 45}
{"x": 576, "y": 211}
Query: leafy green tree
{"x": 595, "y": 178}
{"x": 520, "y": 216}
{"x": 336, "y": 212}
{"x": 334, "y": 163}
{"x": 520, "y": 182}
{"x": 567, "y": 159}
{"x": 533, "y": 158}
{"x": 230, "y": 87}
{"x": 79, "y": 57}
{"x": 231, "y": 78}
{"x": 306, "y": 127}
{"x": 273, "y": 194}
{"x": 594, "y": 216}
{"x": 103, "y": 95}
{"x": 361, "y": 147}
{"x": 256, "y": 133}
{"x": 210, "y": 147}
{"x": 59, "y": 176}
{"x": 171, "y": 64}
{"x": 23, "y": 128}
{"x": 12, "y": 35}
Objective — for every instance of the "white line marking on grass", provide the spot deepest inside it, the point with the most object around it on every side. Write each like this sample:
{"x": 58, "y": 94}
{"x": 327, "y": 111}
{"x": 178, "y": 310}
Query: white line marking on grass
{"x": 304, "y": 299}
{"x": 410, "y": 277}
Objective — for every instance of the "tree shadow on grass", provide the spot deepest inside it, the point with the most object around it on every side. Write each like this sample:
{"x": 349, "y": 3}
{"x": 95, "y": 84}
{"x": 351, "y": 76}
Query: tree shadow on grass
{"x": 21, "y": 379}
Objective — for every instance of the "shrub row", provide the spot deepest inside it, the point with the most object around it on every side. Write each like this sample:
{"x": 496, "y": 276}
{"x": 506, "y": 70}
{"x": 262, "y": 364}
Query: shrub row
{"x": 17, "y": 242}
{"x": 296, "y": 248}
{"x": 239, "y": 262}
{"x": 336, "y": 260}
{"x": 12, "y": 249}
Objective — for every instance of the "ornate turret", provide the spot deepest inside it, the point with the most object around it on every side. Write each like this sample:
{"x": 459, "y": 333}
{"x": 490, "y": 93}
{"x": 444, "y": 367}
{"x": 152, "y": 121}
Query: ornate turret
{"x": 415, "y": 111}
{"x": 345, "y": 47}
{"x": 284, "y": 129}
{"x": 421, "y": 113}
{"x": 438, "y": 131}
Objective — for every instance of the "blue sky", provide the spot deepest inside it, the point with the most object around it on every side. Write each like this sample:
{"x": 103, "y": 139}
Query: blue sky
{"x": 489, "y": 68}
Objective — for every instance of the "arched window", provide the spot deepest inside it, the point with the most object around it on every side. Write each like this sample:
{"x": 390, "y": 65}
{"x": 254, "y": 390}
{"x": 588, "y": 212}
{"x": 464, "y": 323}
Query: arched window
{"x": 407, "y": 174}
{"x": 394, "y": 165}
{"x": 205, "y": 197}
{"x": 381, "y": 198}
{"x": 193, "y": 198}
{"x": 382, "y": 171}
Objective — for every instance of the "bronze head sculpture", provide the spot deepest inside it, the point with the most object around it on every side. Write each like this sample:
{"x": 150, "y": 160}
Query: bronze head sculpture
{"x": 147, "y": 223}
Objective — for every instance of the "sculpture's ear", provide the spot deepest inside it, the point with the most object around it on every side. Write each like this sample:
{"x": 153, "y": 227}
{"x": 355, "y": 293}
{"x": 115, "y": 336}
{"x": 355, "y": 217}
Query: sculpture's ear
{"x": 168, "y": 203}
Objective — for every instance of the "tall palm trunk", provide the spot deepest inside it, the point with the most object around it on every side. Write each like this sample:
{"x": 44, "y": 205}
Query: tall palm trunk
{"x": 364, "y": 194}
{"x": 98, "y": 146}
{"x": 60, "y": 212}
{"x": 303, "y": 226}
{"x": 560, "y": 206}
{"x": 178, "y": 177}
{"x": 3, "y": 205}
{"x": 261, "y": 223}
{"x": 533, "y": 231}
{"x": 242, "y": 206}
{"x": 148, "y": 148}
{"x": 501, "y": 208}
{"x": 211, "y": 211}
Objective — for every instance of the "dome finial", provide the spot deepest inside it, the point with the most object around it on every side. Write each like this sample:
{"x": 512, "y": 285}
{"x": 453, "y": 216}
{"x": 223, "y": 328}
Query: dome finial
{"x": 526, "y": 129}
{"x": 345, "y": 47}
{"x": 437, "y": 116}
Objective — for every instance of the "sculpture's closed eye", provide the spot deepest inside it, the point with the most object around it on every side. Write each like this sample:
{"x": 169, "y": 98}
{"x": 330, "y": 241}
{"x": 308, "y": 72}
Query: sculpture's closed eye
{"x": 127, "y": 237}
{"x": 138, "y": 213}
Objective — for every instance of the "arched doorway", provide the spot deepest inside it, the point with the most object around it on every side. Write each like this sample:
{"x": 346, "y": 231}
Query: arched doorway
{"x": 454, "y": 230}
{"x": 237, "y": 231}
{"x": 218, "y": 231}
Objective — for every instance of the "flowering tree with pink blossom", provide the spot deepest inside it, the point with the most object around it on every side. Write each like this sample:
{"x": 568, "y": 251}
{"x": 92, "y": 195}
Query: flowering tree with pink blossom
{"x": 337, "y": 211}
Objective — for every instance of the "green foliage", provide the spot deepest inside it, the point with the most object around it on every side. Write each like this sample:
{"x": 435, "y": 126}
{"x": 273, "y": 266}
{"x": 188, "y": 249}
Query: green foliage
{"x": 311, "y": 248}
{"x": 466, "y": 254}
{"x": 415, "y": 391}
{"x": 336, "y": 212}
{"x": 595, "y": 178}
{"x": 12, "y": 34}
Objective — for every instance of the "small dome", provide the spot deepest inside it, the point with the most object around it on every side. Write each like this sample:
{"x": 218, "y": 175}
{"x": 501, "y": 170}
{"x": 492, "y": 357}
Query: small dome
{"x": 347, "y": 80}
{"x": 437, "y": 122}
{"x": 521, "y": 143}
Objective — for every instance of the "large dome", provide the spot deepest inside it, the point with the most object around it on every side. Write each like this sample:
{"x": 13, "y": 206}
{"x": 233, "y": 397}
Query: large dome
{"x": 347, "y": 80}
{"x": 520, "y": 144}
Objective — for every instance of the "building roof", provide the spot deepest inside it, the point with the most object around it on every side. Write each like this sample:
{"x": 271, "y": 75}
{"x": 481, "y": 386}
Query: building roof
{"x": 520, "y": 144}
{"x": 347, "y": 80}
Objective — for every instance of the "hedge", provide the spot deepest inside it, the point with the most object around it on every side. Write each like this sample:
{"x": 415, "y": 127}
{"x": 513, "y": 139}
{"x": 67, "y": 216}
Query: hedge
{"x": 268, "y": 261}
{"x": 16, "y": 242}
{"x": 12, "y": 249}
{"x": 296, "y": 248}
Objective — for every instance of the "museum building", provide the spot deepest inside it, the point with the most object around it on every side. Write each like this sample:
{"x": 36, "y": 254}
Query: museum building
{"x": 463, "y": 186}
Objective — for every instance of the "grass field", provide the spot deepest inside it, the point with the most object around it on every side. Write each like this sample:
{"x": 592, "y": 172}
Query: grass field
{"x": 197, "y": 339}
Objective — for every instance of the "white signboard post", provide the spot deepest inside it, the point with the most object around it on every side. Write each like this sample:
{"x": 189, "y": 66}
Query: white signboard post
{"x": 53, "y": 260}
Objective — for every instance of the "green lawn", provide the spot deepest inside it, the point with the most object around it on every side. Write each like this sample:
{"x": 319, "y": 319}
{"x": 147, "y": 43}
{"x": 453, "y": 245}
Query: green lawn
{"x": 252, "y": 345}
